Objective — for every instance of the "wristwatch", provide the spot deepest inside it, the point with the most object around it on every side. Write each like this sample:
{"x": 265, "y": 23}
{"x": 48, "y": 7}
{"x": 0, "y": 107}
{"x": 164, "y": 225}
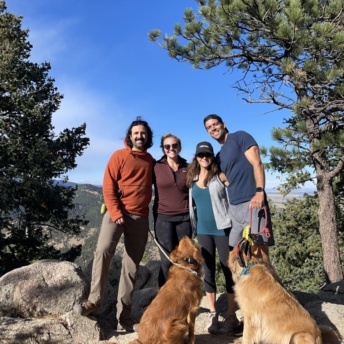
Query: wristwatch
{"x": 259, "y": 189}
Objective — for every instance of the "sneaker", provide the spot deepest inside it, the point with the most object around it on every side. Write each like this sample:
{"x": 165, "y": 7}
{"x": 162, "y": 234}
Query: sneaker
{"x": 85, "y": 308}
{"x": 129, "y": 326}
{"x": 212, "y": 322}
{"x": 228, "y": 325}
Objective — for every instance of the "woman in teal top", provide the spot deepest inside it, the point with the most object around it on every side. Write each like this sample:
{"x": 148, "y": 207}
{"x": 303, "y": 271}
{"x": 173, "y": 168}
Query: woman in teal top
{"x": 211, "y": 221}
{"x": 206, "y": 224}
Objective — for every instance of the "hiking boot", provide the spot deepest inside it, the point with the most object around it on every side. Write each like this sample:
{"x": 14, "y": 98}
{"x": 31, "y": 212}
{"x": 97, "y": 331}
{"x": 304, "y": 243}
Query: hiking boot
{"x": 211, "y": 322}
{"x": 238, "y": 331}
{"x": 85, "y": 308}
{"x": 228, "y": 325}
{"x": 128, "y": 326}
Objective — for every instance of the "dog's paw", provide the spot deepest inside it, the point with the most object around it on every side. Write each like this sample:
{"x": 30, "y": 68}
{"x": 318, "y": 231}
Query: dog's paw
{"x": 237, "y": 341}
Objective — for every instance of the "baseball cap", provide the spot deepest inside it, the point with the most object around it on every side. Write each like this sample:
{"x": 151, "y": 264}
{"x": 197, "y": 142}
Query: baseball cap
{"x": 204, "y": 147}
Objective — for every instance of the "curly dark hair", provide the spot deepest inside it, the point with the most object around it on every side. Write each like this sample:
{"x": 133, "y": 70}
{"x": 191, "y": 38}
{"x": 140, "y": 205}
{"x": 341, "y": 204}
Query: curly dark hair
{"x": 139, "y": 121}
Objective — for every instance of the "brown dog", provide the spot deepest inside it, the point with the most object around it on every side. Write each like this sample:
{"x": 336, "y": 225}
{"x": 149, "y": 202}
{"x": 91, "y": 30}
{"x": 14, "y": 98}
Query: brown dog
{"x": 173, "y": 311}
{"x": 271, "y": 313}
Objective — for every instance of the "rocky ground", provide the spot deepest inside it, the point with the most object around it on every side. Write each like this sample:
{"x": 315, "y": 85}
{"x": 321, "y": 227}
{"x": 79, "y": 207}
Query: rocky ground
{"x": 326, "y": 313}
{"x": 36, "y": 306}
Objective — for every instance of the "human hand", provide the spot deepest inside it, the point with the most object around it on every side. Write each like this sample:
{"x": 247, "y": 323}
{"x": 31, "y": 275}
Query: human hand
{"x": 119, "y": 221}
{"x": 257, "y": 200}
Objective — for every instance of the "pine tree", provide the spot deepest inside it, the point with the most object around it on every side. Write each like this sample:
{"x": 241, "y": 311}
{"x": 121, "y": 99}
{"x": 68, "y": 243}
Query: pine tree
{"x": 297, "y": 255}
{"x": 291, "y": 56}
{"x": 32, "y": 157}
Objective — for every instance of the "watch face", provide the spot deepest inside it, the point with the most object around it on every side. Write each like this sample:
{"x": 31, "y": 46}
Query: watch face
{"x": 259, "y": 189}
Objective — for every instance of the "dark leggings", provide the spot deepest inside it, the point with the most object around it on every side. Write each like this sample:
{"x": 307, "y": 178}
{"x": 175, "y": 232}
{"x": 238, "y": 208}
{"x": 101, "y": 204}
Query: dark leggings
{"x": 168, "y": 234}
{"x": 209, "y": 244}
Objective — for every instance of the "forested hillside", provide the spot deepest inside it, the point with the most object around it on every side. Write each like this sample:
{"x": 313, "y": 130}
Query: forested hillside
{"x": 88, "y": 201}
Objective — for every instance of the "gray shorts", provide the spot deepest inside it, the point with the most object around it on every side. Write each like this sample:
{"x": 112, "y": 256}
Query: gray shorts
{"x": 240, "y": 215}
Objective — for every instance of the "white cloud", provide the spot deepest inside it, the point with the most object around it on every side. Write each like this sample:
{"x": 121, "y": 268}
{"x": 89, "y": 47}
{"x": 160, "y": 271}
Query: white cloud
{"x": 48, "y": 38}
{"x": 106, "y": 125}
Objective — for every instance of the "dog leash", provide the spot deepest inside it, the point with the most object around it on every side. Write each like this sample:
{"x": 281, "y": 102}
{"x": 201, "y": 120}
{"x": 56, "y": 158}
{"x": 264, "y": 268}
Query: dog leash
{"x": 265, "y": 229}
{"x": 248, "y": 239}
{"x": 166, "y": 255}
{"x": 251, "y": 238}
{"x": 102, "y": 212}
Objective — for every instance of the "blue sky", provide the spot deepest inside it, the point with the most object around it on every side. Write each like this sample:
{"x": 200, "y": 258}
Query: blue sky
{"x": 109, "y": 73}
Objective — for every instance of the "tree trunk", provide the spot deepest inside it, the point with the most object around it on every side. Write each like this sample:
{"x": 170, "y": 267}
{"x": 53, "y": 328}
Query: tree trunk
{"x": 328, "y": 230}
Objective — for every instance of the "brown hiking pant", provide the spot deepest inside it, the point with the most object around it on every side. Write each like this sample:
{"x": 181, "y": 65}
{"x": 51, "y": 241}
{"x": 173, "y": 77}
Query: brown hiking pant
{"x": 135, "y": 230}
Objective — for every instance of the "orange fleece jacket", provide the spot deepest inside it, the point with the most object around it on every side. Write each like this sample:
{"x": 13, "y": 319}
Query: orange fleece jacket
{"x": 127, "y": 184}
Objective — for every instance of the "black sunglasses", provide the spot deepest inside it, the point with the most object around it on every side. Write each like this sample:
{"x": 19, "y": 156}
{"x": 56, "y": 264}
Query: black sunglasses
{"x": 206, "y": 155}
{"x": 174, "y": 146}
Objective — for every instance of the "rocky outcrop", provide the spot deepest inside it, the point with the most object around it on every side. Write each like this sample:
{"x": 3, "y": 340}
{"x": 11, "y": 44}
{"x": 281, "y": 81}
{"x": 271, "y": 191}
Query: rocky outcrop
{"x": 36, "y": 305}
{"x": 41, "y": 289}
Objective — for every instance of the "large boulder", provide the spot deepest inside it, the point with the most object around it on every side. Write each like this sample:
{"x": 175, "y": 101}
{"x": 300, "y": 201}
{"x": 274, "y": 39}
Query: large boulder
{"x": 36, "y": 303}
{"x": 47, "y": 287}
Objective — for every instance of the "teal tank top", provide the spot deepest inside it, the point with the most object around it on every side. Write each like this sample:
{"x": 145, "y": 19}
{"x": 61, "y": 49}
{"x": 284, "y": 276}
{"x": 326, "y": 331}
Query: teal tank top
{"x": 206, "y": 224}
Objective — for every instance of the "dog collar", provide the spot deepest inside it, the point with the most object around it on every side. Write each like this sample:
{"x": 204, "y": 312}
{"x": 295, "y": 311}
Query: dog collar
{"x": 246, "y": 269}
{"x": 189, "y": 260}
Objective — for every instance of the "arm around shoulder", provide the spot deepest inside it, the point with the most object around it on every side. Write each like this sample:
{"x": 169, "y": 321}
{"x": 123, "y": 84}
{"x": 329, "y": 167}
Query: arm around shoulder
{"x": 223, "y": 179}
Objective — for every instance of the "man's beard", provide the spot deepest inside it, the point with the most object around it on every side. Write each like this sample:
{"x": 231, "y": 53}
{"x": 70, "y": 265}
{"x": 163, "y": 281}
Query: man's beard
{"x": 139, "y": 143}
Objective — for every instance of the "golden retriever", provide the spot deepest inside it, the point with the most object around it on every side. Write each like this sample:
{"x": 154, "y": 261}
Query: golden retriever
{"x": 272, "y": 315}
{"x": 173, "y": 311}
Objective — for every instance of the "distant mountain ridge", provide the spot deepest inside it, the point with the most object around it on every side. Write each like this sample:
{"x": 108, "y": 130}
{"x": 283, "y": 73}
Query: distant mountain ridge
{"x": 88, "y": 200}
{"x": 302, "y": 191}
{"x": 307, "y": 190}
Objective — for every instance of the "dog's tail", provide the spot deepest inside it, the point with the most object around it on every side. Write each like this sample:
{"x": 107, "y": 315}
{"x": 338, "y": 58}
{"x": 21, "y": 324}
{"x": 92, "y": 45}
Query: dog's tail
{"x": 329, "y": 335}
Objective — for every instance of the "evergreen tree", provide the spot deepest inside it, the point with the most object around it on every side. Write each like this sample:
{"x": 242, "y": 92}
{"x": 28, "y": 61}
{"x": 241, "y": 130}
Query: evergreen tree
{"x": 297, "y": 255}
{"x": 31, "y": 155}
{"x": 291, "y": 56}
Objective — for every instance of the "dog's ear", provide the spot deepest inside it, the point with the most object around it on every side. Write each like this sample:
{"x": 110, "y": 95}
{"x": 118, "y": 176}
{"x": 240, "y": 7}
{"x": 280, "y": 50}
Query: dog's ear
{"x": 194, "y": 250}
{"x": 234, "y": 265}
{"x": 174, "y": 256}
{"x": 243, "y": 252}
{"x": 231, "y": 259}
{"x": 241, "y": 259}
{"x": 196, "y": 254}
